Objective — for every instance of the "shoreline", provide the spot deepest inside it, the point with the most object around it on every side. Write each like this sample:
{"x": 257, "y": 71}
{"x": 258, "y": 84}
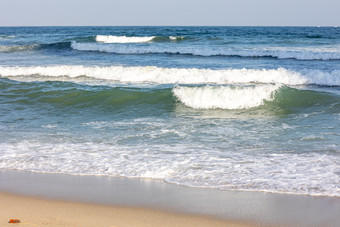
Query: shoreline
{"x": 234, "y": 207}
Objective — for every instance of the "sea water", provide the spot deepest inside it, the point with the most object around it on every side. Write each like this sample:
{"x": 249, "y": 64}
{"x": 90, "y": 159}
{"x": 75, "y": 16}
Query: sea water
{"x": 233, "y": 108}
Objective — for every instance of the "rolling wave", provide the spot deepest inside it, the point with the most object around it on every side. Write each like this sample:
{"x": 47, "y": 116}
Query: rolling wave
{"x": 152, "y": 74}
{"x": 270, "y": 97}
{"x": 299, "y": 54}
{"x": 64, "y": 95}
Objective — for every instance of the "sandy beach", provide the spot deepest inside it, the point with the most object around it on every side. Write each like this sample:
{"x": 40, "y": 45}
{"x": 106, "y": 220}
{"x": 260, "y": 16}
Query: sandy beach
{"x": 41, "y": 212}
{"x": 65, "y": 200}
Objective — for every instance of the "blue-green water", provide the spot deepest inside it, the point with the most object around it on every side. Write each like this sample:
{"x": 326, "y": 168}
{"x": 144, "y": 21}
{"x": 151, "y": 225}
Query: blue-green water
{"x": 244, "y": 108}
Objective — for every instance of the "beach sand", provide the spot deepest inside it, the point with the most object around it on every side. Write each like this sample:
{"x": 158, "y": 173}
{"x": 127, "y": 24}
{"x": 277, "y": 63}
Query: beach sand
{"x": 41, "y": 212}
{"x": 64, "y": 200}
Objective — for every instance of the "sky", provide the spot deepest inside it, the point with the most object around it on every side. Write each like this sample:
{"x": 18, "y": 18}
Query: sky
{"x": 170, "y": 12}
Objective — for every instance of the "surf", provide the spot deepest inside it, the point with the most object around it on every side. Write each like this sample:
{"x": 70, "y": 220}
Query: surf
{"x": 159, "y": 75}
{"x": 225, "y": 97}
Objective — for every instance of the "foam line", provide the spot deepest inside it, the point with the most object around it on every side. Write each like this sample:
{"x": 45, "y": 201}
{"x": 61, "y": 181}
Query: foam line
{"x": 152, "y": 74}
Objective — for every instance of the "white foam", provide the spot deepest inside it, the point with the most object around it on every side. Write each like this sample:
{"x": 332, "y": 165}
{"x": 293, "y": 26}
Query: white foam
{"x": 212, "y": 97}
{"x": 122, "y": 39}
{"x": 181, "y": 164}
{"x": 282, "y": 53}
{"x": 152, "y": 74}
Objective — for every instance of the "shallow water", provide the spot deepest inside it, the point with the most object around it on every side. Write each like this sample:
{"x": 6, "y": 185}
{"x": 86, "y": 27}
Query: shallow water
{"x": 245, "y": 108}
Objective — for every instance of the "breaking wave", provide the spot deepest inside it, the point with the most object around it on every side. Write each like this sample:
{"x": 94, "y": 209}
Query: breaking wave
{"x": 122, "y": 39}
{"x": 268, "y": 97}
{"x": 152, "y": 74}
{"x": 225, "y": 97}
{"x": 125, "y": 39}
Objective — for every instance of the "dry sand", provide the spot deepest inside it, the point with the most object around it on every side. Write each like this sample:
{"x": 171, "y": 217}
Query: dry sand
{"x": 41, "y": 212}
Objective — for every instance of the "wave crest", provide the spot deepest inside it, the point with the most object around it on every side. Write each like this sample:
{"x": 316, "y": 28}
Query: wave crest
{"x": 135, "y": 39}
{"x": 225, "y": 97}
{"x": 123, "y": 39}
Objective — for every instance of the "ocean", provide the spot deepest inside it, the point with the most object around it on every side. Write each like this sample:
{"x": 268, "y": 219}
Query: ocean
{"x": 231, "y": 108}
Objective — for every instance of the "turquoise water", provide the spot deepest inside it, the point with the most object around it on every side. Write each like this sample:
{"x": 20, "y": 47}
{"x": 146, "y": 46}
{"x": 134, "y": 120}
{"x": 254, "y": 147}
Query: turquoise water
{"x": 242, "y": 108}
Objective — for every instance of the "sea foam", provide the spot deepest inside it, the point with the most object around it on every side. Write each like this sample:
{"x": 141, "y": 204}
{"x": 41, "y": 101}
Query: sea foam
{"x": 152, "y": 74}
{"x": 179, "y": 163}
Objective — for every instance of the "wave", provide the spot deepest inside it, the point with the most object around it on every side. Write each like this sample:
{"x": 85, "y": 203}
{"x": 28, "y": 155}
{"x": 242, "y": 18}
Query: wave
{"x": 65, "y": 95}
{"x": 125, "y": 39}
{"x": 231, "y": 97}
{"x": 60, "y": 46}
{"x": 270, "y": 97}
{"x": 152, "y": 74}
{"x": 9, "y": 49}
{"x": 308, "y": 54}
{"x": 4, "y": 37}
{"x": 225, "y": 97}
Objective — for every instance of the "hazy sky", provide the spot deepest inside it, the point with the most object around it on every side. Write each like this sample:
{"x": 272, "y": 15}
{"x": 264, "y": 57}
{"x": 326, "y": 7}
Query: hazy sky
{"x": 170, "y": 12}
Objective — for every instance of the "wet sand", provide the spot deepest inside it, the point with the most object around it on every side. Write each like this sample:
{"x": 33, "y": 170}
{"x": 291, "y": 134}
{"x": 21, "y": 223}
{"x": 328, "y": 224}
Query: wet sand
{"x": 76, "y": 200}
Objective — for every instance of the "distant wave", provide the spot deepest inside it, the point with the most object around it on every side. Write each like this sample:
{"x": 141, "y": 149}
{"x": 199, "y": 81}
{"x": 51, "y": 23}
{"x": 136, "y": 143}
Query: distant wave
{"x": 122, "y": 39}
{"x": 128, "y": 48}
{"x": 307, "y": 54}
{"x": 14, "y": 48}
{"x": 2, "y": 37}
{"x": 152, "y": 74}
{"x": 56, "y": 46}
{"x": 125, "y": 39}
